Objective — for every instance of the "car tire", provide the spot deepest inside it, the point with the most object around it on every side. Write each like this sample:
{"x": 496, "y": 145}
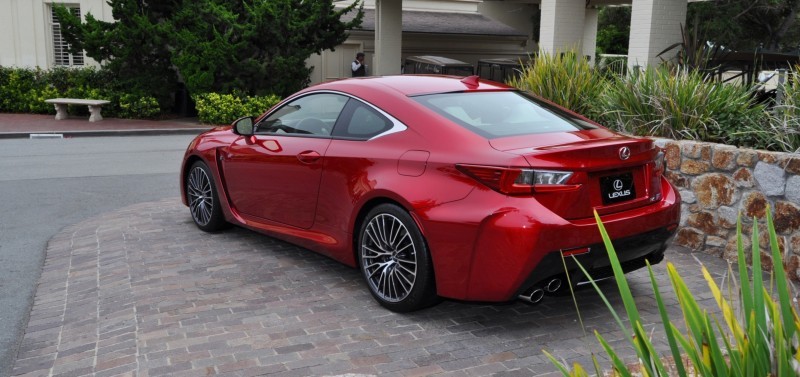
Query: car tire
{"x": 201, "y": 193}
{"x": 394, "y": 260}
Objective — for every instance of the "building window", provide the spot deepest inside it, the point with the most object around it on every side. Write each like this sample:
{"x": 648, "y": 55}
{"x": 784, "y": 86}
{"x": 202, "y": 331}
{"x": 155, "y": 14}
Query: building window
{"x": 61, "y": 54}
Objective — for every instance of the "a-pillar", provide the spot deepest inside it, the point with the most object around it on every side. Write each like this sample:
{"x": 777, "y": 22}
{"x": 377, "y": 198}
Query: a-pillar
{"x": 655, "y": 25}
{"x": 562, "y": 25}
{"x": 388, "y": 37}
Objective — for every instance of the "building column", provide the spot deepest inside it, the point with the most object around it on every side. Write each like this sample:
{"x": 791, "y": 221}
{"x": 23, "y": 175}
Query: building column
{"x": 590, "y": 34}
{"x": 562, "y": 25}
{"x": 655, "y": 25}
{"x": 388, "y": 37}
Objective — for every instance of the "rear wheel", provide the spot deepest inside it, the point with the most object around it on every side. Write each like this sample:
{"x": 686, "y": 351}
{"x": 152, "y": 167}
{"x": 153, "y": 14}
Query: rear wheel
{"x": 203, "y": 199}
{"x": 395, "y": 261}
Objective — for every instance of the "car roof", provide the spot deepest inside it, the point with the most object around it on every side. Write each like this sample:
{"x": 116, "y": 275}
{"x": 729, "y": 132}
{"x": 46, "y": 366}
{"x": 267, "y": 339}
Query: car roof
{"x": 411, "y": 85}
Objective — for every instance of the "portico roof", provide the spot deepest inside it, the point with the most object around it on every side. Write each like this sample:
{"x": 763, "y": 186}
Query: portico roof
{"x": 442, "y": 23}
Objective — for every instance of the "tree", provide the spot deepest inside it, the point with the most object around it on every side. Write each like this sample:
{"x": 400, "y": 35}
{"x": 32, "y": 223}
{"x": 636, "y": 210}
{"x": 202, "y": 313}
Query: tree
{"x": 749, "y": 24}
{"x": 248, "y": 46}
{"x": 258, "y": 47}
{"x": 614, "y": 29}
{"x": 134, "y": 49}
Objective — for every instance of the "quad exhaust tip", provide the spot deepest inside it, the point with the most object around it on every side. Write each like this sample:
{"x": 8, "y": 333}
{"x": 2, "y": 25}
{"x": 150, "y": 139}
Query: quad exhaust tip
{"x": 553, "y": 285}
{"x": 536, "y": 295}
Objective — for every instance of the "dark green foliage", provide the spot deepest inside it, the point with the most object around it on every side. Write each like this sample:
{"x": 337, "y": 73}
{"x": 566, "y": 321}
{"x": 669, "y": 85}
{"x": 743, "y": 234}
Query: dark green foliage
{"x": 134, "y": 48}
{"x": 614, "y": 29}
{"x": 256, "y": 46}
{"x": 747, "y": 24}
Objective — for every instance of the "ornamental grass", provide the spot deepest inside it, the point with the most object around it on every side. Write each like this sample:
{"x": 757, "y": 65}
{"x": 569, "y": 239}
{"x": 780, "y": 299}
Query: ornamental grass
{"x": 682, "y": 104}
{"x": 757, "y": 334}
{"x": 566, "y": 79}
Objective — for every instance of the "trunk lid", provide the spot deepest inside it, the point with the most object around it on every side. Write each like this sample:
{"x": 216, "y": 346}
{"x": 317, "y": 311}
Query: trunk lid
{"x": 612, "y": 172}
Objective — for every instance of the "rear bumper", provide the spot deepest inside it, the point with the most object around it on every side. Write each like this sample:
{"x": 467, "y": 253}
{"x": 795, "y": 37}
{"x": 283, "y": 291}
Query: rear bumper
{"x": 633, "y": 252}
{"x": 493, "y": 255}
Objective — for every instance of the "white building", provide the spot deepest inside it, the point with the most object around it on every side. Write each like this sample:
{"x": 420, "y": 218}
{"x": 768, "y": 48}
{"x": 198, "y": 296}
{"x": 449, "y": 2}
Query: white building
{"x": 393, "y": 29}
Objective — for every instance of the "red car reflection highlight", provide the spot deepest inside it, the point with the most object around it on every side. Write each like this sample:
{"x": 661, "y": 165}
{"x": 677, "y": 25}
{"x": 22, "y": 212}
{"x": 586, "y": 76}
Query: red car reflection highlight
{"x": 435, "y": 187}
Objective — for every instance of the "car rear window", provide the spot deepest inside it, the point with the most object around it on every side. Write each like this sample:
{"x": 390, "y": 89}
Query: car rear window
{"x": 501, "y": 114}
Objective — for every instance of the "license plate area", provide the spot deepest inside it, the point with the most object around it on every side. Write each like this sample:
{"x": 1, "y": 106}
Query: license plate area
{"x": 617, "y": 188}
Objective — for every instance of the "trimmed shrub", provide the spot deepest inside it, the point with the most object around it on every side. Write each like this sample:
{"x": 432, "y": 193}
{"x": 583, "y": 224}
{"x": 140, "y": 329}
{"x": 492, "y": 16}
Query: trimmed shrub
{"x": 23, "y": 90}
{"x": 133, "y": 106}
{"x": 20, "y": 89}
{"x": 214, "y": 108}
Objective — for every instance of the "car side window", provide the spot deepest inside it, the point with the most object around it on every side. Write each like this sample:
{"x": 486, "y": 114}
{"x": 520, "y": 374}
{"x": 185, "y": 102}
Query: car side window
{"x": 360, "y": 121}
{"x": 312, "y": 115}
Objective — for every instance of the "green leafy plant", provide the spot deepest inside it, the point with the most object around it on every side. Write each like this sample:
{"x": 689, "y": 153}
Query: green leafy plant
{"x": 17, "y": 87}
{"x": 217, "y": 108}
{"x": 24, "y": 90}
{"x": 134, "y": 106}
{"x": 566, "y": 79}
{"x": 757, "y": 338}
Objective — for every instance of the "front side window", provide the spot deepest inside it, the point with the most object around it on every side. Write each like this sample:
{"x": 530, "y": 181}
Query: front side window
{"x": 61, "y": 54}
{"x": 313, "y": 115}
{"x": 500, "y": 114}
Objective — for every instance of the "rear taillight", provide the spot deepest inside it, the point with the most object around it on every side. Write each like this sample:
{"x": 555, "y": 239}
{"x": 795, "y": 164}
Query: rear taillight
{"x": 660, "y": 164}
{"x": 657, "y": 170}
{"x": 518, "y": 181}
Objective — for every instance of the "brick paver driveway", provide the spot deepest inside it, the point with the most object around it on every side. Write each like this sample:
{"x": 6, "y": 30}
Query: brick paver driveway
{"x": 141, "y": 291}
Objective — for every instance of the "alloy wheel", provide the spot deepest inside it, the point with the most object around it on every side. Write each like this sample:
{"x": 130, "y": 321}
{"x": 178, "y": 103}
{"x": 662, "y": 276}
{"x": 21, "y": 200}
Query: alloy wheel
{"x": 389, "y": 257}
{"x": 200, "y": 193}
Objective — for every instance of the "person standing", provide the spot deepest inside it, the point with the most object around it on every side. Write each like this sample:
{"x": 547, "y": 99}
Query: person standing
{"x": 358, "y": 66}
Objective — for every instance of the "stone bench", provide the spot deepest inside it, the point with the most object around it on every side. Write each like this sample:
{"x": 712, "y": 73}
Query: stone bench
{"x": 94, "y": 107}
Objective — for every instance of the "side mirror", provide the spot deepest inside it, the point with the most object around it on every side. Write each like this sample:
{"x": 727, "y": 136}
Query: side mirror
{"x": 243, "y": 126}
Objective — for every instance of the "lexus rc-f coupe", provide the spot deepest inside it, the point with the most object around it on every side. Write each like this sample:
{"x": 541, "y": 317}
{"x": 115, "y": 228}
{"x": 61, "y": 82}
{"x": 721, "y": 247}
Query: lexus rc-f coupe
{"x": 437, "y": 187}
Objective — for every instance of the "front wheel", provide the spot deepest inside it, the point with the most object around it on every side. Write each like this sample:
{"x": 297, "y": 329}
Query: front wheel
{"x": 394, "y": 260}
{"x": 204, "y": 199}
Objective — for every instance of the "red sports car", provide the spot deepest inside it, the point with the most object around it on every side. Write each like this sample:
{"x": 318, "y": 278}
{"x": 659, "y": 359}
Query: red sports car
{"x": 436, "y": 187}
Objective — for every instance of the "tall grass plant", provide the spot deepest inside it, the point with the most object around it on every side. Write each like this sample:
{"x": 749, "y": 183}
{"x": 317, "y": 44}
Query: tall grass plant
{"x": 784, "y": 125}
{"x": 683, "y": 105}
{"x": 670, "y": 102}
{"x": 566, "y": 79}
{"x": 757, "y": 334}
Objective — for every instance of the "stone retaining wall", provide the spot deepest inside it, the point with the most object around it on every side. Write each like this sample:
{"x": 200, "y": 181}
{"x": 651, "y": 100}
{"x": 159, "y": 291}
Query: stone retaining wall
{"x": 718, "y": 182}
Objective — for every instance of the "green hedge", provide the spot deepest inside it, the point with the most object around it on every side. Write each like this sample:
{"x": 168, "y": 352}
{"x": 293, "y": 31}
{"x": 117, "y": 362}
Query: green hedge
{"x": 214, "y": 108}
{"x": 23, "y": 90}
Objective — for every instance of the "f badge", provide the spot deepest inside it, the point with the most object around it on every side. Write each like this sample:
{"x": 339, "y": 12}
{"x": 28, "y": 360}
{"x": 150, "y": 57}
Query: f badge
{"x": 624, "y": 153}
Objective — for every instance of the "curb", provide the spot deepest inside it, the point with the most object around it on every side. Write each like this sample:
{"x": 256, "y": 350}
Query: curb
{"x": 101, "y": 133}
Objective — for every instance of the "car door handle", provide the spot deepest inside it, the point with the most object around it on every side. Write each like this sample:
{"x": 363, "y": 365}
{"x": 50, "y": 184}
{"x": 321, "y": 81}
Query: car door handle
{"x": 308, "y": 156}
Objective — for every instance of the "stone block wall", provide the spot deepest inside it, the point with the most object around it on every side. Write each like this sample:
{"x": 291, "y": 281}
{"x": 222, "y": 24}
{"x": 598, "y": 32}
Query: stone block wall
{"x": 719, "y": 182}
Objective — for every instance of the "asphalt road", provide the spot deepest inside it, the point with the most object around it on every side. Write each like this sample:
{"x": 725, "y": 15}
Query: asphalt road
{"x": 46, "y": 185}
